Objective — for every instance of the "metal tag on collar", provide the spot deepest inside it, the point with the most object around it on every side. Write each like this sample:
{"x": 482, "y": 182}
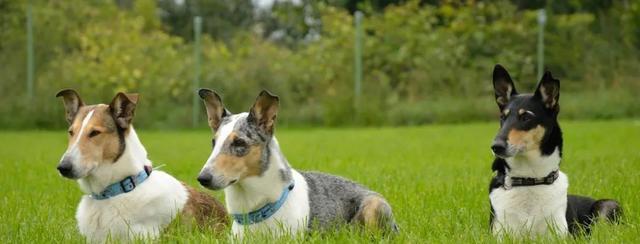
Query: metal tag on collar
{"x": 507, "y": 183}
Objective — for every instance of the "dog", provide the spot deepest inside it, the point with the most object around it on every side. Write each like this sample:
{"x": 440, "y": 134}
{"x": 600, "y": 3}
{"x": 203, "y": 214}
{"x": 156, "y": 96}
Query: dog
{"x": 528, "y": 193}
{"x": 263, "y": 193}
{"x": 125, "y": 198}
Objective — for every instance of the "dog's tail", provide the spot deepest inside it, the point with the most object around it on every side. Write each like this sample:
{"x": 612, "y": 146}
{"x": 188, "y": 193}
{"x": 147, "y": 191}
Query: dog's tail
{"x": 375, "y": 213}
{"x": 582, "y": 212}
{"x": 607, "y": 209}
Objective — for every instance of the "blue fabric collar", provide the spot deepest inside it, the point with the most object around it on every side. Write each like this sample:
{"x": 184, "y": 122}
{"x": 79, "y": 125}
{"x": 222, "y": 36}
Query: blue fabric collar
{"x": 264, "y": 212}
{"x": 123, "y": 186}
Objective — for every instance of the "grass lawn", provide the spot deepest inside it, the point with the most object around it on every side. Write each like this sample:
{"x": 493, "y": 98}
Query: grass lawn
{"x": 435, "y": 177}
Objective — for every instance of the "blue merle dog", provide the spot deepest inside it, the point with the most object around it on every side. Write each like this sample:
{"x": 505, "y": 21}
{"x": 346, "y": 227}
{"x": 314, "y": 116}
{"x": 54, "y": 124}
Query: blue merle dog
{"x": 263, "y": 193}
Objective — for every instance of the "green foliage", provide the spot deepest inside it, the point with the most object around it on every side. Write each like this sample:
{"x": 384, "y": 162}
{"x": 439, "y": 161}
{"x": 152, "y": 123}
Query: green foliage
{"x": 115, "y": 51}
{"x": 222, "y": 19}
{"x": 435, "y": 178}
{"x": 422, "y": 63}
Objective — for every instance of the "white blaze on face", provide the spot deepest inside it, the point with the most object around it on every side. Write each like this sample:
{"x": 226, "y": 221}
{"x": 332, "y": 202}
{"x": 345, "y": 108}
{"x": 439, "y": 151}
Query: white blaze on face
{"x": 223, "y": 132}
{"x": 73, "y": 151}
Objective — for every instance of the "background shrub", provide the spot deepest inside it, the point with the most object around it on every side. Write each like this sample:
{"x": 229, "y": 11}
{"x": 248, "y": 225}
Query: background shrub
{"x": 424, "y": 62}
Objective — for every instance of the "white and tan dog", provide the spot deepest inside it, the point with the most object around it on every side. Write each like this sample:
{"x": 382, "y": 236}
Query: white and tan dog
{"x": 124, "y": 198}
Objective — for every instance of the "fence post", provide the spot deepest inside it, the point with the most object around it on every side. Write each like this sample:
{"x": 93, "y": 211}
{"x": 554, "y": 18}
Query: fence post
{"x": 357, "y": 61}
{"x": 30, "y": 61}
{"x": 197, "y": 29}
{"x": 542, "y": 19}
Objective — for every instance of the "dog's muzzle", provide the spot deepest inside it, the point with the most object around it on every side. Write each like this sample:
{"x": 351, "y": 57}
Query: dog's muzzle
{"x": 65, "y": 167}
{"x": 205, "y": 179}
{"x": 210, "y": 181}
{"x": 499, "y": 148}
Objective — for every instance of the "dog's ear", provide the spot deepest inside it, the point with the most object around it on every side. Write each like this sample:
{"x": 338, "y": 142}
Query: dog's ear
{"x": 214, "y": 106}
{"x": 264, "y": 111}
{"x": 122, "y": 108}
{"x": 549, "y": 91}
{"x": 502, "y": 86}
{"x": 72, "y": 103}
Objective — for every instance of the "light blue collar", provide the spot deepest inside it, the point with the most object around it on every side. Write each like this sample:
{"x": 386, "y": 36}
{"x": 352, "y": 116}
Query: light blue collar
{"x": 123, "y": 186}
{"x": 264, "y": 212}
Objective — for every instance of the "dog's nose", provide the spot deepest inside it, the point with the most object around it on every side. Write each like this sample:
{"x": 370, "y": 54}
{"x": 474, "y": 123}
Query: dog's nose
{"x": 499, "y": 147}
{"x": 205, "y": 179}
{"x": 65, "y": 168}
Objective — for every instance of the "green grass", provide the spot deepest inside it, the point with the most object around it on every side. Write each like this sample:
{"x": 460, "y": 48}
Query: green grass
{"x": 435, "y": 177}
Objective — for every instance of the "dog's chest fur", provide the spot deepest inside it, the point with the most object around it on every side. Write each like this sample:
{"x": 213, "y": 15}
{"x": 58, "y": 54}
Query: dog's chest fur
{"x": 144, "y": 211}
{"x": 531, "y": 210}
{"x": 291, "y": 218}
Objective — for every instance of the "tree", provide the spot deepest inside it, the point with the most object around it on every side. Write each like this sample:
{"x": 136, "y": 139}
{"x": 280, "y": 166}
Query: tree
{"x": 221, "y": 19}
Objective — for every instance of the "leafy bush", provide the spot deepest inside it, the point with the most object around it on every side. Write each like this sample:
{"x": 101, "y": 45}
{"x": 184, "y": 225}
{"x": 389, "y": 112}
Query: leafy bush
{"x": 422, "y": 63}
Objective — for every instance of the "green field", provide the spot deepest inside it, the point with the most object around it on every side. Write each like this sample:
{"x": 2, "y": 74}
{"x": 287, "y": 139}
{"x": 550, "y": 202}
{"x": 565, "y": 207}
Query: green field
{"x": 435, "y": 177}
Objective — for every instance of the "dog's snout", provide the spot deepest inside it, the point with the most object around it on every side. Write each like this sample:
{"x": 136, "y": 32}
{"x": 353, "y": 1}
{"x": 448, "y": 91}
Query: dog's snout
{"x": 66, "y": 168}
{"x": 205, "y": 179}
{"x": 499, "y": 147}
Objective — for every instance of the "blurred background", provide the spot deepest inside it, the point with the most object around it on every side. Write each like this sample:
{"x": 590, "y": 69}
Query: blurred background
{"x": 332, "y": 62}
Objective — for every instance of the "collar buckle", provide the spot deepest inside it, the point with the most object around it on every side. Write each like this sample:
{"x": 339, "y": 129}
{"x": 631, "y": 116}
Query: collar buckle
{"x": 128, "y": 184}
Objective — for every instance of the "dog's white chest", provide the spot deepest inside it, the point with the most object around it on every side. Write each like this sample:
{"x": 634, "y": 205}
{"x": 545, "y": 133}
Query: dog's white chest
{"x": 291, "y": 218}
{"x": 143, "y": 212}
{"x": 531, "y": 210}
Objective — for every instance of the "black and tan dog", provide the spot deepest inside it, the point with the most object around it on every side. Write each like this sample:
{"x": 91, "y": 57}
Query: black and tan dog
{"x": 529, "y": 192}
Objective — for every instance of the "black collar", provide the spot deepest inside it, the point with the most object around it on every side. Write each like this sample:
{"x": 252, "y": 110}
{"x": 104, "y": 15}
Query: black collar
{"x": 525, "y": 181}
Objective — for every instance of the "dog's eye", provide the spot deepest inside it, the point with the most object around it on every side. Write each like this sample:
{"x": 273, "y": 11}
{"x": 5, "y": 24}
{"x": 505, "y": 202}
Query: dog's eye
{"x": 94, "y": 133}
{"x": 503, "y": 117}
{"x": 239, "y": 147}
{"x": 239, "y": 143}
{"x": 70, "y": 132}
{"x": 526, "y": 116}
